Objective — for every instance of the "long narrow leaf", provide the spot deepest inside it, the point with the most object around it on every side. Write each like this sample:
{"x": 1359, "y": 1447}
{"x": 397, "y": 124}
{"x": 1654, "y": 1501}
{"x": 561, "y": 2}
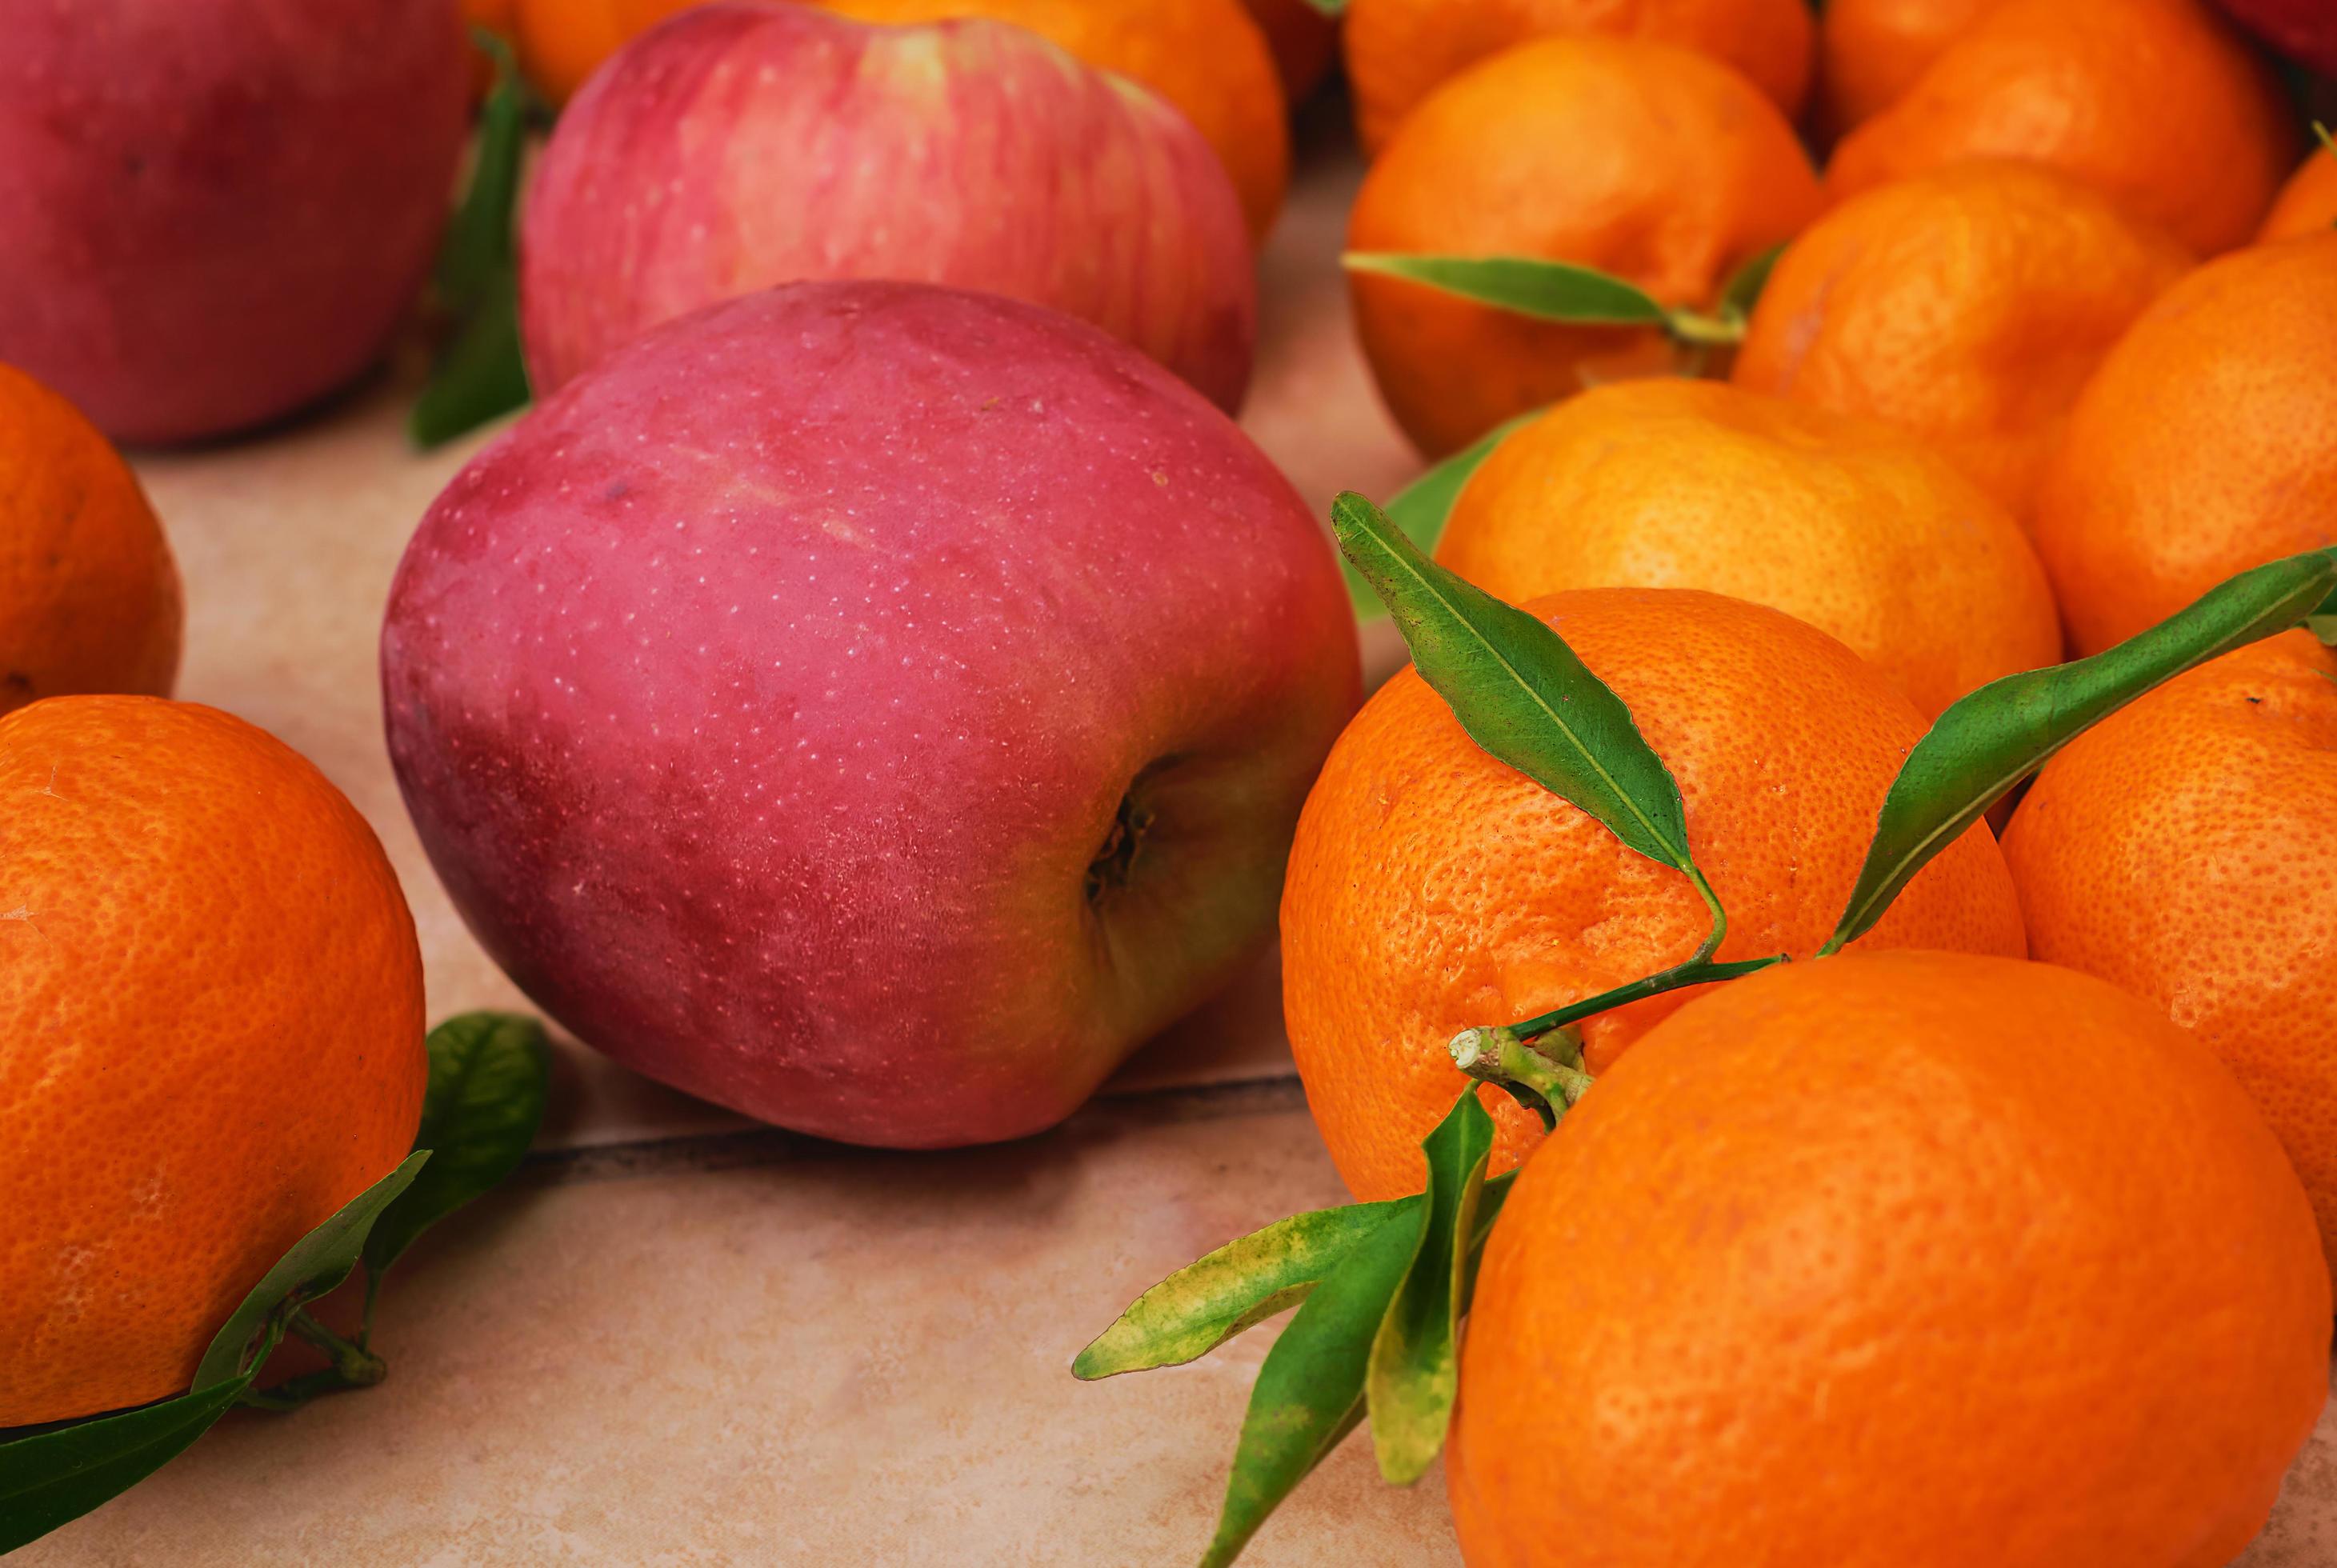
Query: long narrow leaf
{"x": 1989, "y": 740}
{"x": 1421, "y": 508}
{"x": 1525, "y": 284}
{"x": 1519, "y": 690}
{"x": 317, "y": 1262}
{"x": 1415, "y": 1366}
{"x": 56, "y": 1478}
{"x": 1310, "y": 1392}
{"x": 1241, "y": 1284}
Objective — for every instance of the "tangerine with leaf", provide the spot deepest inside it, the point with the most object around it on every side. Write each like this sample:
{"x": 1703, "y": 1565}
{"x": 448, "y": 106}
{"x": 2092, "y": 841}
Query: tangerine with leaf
{"x": 1433, "y": 888}
{"x": 1648, "y": 163}
{"x": 211, "y": 1035}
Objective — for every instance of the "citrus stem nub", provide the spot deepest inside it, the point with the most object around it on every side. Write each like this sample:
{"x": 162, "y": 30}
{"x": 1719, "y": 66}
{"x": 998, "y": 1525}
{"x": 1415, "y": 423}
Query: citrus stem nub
{"x": 1546, "y": 1086}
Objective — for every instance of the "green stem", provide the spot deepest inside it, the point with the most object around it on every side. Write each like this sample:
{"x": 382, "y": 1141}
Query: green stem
{"x": 1548, "y": 1088}
{"x": 1694, "y": 972}
{"x": 355, "y": 1366}
{"x": 1694, "y": 326}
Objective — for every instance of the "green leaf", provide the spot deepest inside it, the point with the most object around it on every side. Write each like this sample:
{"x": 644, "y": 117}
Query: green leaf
{"x": 1334, "y": 9}
{"x": 481, "y": 373}
{"x": 1526, "y": 285}
{"x": 1415, "y": 1363}
{"x": 1989, "y": 739}
{"x": 1743, "y": 290}
{"x": 1421, "y": 508}
{"x": 317, "y": 1262}
{"x": 1519, "y": 690}
{"x": 1241, "y": 1284}
{"x": 485, "y": 1103}
{"x": 478, "y": 239}
{"x": 1310, "y": 1392}
{"x": 56, "y": 1478}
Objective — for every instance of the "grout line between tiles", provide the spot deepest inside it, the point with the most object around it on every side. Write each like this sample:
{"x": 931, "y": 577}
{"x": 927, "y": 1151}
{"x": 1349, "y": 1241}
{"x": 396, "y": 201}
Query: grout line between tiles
{"x": 699, "y": 1152}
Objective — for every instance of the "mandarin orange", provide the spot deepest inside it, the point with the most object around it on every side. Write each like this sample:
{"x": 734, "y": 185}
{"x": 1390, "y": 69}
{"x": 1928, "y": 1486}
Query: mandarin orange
{"x": 1640, "y": 160}
{"x": 1433, "y": 889}
{"x": 1871, "y": 51}
{"x": 89, "y": 594}
{"x": 1967, "y": 305}
{"x": 2161, "y": 103}
{"x": 1398, "y": 52}
{"x": 1850, "y": 525}
{"x": 2186, "y": 850}
{"x": 211, "y": 1035}
{"x": 1914, "y": 1260}
{"x": 2205, "y": 445}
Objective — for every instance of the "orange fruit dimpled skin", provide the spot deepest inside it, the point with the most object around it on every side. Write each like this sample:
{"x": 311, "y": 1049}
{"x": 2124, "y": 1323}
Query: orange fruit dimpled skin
{"x": 1433, "y": 889}
{"x": 89, "y": 595}
{"x": 210, "y": 1035}
{"x": 2307, "y": 204}
{"x": 1847, "y": 524}
{"x": 1640, "y": 160}
{"x": 1399, "y": 51}
{"x": 2186, "y": 850}
{"x": 2158, "y": 102}
{"x": 1967, "y": 306}
{"x": 1906, "y": 1260}
{"x": 2205, "y": 444}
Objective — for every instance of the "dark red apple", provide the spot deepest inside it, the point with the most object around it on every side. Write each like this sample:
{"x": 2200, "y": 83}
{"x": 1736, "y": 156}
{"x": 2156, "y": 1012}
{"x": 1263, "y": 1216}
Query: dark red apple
{"x": 874, "y": 706}
{"x": 2304, "y": 30}
{"x": 212, "y": 211}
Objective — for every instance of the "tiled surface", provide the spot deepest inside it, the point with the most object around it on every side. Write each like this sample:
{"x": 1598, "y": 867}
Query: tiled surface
{"x": 677, "y": 1342}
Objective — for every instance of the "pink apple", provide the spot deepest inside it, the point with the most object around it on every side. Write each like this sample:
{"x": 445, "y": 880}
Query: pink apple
{"x": 874, "y": 706}
{"x": 741, "y": 145}
{"x": 213, "y": 211}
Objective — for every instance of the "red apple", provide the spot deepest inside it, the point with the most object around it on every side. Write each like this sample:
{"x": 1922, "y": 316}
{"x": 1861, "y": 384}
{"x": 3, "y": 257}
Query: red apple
{"x": 874, "y": 706}
{"x": 212, "y": 211}
{"x": 741, "y": 145}
{"x": 2304, "y": 30}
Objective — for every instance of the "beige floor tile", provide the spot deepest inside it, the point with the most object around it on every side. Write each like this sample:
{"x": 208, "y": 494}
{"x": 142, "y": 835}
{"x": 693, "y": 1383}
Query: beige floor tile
{"x": 800, "y": 1355}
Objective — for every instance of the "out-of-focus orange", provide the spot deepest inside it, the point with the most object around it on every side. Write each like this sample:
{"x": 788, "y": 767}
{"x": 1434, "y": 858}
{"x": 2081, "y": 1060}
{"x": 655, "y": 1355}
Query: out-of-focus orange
{"x": 1967, "y": 305}
{"x": 2307, "y": 204}
{"x": 2159, "y": 103}
{"x": 1871, "y": 51}
{"x": 211, "y": 1035}
{"x": 2206, "y": 444}
{"x": 2185, "y": 849}
{"x": 1303, "y": 40}
{"x": 1433, "y": 889}
{"x": 1848, "y": 524}
{"x": 1644, "y": 161}
{"x": 1399, "y": 51}
{"x": 89, "y": 595}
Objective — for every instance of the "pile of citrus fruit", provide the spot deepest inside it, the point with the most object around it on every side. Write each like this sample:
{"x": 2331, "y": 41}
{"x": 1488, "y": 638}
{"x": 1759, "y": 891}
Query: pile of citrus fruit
{"x": 1821, "y": 977}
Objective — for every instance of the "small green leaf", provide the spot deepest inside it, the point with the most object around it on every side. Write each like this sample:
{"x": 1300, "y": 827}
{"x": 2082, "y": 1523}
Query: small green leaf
{"x": 481, "y": 1112}
{"x": 1241, "y": 1284}
{"x": 1519, "y": 690}
{"x": 56, "y": 1478}
{"x": 1526, "y": 285}
{"x": 1310, "y": 1392}
{"x": 1743, "y": 290}
{"x": 1415, "y": 1364}
{"x": 1334, "y": 9}
{"x": 1421, "y": 508}
{"x": 317, "y": 1262}
{"x": 478, "y": 239}
{"x": 481, "y": 373}
{"x": 1990, "y": 740}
